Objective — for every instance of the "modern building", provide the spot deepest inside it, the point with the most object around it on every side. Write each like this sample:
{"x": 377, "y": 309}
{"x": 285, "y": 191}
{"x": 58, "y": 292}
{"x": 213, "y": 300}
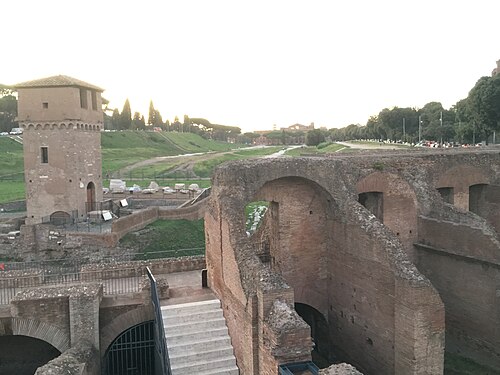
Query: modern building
{"x": 62, "y": 118}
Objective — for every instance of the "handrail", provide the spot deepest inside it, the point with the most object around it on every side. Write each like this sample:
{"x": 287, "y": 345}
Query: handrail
{"x": 160, "y": 339}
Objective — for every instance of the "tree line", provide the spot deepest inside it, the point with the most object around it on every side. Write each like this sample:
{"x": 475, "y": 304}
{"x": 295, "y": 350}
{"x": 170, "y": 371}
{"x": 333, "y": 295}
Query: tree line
{"x": 124, "y": 120}
{"x": 471, "y": 120}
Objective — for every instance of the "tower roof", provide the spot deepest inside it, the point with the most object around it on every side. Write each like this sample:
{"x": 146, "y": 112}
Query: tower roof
{"x": 57, "y": 81}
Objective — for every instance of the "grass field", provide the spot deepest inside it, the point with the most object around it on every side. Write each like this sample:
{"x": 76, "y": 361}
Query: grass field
{"x": 11, "y": 159}
{"x": 164, "y": 237}
{"x": 334, "y": 147}
{"x": 206, "y": 167}
{"x": 120, "y": 149}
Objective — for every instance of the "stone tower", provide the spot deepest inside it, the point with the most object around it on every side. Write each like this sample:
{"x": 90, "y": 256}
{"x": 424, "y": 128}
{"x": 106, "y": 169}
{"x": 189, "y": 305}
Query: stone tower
{"x": 62, "y": 118}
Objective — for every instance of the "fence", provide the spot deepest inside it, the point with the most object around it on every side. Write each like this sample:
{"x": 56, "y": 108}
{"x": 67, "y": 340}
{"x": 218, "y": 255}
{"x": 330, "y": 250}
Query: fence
{"x": 74, "y": 265}
{"x": 159, "y": 333}
{"x": 113, "y": 283}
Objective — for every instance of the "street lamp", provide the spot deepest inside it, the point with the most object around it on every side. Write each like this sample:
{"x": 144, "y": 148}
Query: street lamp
{"x": 419, "y": 128}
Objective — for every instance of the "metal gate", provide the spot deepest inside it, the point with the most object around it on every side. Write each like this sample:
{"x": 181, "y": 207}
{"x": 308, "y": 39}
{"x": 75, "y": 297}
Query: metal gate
{"x": 132, "y": 353}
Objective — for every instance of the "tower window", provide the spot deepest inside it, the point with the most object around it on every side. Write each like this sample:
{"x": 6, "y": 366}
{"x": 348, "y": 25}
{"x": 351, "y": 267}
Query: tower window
{"x": 83, "y": 98}
{"x": 94, "y": 100}
{"x": 45, "y": 154}
{"x": 45, "y": 105}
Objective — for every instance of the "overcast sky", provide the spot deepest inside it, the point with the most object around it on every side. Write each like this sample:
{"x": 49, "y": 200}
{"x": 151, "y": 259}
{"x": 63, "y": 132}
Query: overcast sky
{"x": 257, "y": 63}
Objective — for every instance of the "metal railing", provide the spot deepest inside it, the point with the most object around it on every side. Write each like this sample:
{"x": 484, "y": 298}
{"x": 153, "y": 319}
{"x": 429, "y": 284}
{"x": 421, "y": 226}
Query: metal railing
{"x": 72, "y": 265}
{"x": 124, "y": 281}
{"x": 159, "y": 333}
{"x": 298, "y": 368}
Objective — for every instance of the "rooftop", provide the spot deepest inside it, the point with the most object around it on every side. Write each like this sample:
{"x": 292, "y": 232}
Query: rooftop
{"x": 57, "y": 81}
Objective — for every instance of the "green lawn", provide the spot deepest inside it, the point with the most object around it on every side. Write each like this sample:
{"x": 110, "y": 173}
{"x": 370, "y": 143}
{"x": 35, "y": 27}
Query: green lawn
{"x": 206, "y": 167}
{"x": 191, "y": 142}
{"x": 308, "y": 150}
{"x": 11, "y": 191}
{"x": 168, "y": 238}
{"x": 11, "y": 159}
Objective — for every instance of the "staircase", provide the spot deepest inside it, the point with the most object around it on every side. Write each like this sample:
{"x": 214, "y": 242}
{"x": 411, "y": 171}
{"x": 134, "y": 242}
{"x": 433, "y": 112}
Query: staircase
{"x": 198, "y": 341}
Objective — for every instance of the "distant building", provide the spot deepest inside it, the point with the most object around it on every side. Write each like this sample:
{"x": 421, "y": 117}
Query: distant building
{"x": 62, "y": 118}
{"x": 300, "y": 127}
{"x": 496, "y": 70}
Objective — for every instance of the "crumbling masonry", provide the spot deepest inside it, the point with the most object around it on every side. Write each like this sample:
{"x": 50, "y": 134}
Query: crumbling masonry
{"x": 382, "y": 254}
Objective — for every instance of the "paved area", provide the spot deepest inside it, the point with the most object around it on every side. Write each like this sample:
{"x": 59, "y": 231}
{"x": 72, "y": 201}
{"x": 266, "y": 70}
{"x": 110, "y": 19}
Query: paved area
{"x": 186, "y": 287}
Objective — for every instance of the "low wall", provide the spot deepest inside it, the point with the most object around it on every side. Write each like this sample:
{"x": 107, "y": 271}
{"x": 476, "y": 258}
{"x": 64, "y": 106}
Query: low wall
{"x": 137, "y": 268}
{"x": 471, "y": 301}
{"x": 14, "y": 206}
{"x": 142, "y": 218}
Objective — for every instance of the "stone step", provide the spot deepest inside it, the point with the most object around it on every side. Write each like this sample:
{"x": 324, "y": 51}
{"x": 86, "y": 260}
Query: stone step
{"x": 190, "y": 347}
{"x": 190, "y": 307}
{"x": 179, "y": 338}
{"x": 191, "y": 317}
{"x": 176, "y": 328}
{"x": 209, "y": 355}
{"x": 232, "y": 370}
{"x": 199, "y": 366}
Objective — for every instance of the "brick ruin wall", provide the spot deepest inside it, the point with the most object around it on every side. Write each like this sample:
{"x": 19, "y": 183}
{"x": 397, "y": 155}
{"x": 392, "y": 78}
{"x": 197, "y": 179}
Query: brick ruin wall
{"x": 37, "y": 241}
{"x": 378, "y": 278}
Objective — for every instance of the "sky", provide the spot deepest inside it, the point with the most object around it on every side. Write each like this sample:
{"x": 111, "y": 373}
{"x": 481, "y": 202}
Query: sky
{"x": 259, "y": 63}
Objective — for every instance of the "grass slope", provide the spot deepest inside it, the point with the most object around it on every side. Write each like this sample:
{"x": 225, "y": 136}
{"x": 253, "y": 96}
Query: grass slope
{"x": 206, "y": 167}
{"x": 168, "y": 238}
{"x": 11, "y": 159}
{"x": 120, "y": 149}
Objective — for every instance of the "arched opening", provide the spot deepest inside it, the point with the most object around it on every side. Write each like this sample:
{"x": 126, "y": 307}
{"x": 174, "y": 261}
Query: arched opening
{"x": 22, "y": 355}
{"x": 132, "y": 352}
{"x": 60, "y": 218}
{"x": 477, "y": 201}
{"x": 91, "y": 204}
{"x": 447, "y": 193}
{"x": 373, "y": 201}
{"x": 294, "y": 234}
{"x": 321, "y": 355}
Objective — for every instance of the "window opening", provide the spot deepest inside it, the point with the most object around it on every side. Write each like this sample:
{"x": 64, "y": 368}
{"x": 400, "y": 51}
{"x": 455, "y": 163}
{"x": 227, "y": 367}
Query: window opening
{"x": 45, "y": 154}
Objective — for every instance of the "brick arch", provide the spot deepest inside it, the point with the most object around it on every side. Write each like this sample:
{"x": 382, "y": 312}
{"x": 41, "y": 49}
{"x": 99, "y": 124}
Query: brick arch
{"x": 298, "y": 228}
{"x": 121, "y": 323}
{"x": 43, "y": 331}
{"x": 459, "y": 179}
{"x": 397, "y": 208}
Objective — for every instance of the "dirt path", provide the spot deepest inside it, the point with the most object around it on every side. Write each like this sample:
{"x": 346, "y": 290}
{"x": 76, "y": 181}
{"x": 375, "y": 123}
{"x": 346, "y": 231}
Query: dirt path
{"x": 370, "y": 146}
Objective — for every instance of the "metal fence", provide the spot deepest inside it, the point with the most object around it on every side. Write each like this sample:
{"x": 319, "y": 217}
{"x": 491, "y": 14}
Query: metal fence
{"x": 74, "y": 265}
{"x": 159, "y": 332}
{"x": 126, "y": 280}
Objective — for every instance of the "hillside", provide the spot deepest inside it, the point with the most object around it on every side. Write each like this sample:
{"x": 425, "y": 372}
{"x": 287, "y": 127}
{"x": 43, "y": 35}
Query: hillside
{"x": 11, "y": 159}
{"x": 120, "y": 149}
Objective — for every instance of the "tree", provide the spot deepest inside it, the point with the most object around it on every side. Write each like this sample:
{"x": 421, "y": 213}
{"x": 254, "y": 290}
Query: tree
{"x": 314, "y": 137}
{"x": 8, "y": 109}
{"x": 152, "y": 114}
{"x": 483, "y": 105}
{"x": 115, "y": 119}
{"x": 138, "y": 122}
{"x": 126, "y": 117}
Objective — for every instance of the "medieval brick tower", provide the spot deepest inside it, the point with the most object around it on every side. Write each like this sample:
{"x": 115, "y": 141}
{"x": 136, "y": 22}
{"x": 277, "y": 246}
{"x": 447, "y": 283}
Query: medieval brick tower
{"x": 62, "y": 118}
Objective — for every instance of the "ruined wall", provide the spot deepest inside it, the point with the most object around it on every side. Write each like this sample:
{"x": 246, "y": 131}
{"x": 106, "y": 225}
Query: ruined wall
{"x": 335, "y": 255}
{"x": 399, "y": 205}
{"x": 471, "y": 327}
{"x": 73, "y": 161}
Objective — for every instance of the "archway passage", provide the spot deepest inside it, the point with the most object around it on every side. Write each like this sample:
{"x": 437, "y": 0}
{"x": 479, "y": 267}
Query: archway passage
{"x": 22, "y": 355}
{"x": 91, "y": 206}
{"x": 132, "y": 352}
{"x": 60, "y": 218}
{"x": 322, "y": 355}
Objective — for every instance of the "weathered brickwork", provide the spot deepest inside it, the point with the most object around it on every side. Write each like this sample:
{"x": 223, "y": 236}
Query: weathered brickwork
{"x": 62, "y": 119}
{"x": 361, "y": 268}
